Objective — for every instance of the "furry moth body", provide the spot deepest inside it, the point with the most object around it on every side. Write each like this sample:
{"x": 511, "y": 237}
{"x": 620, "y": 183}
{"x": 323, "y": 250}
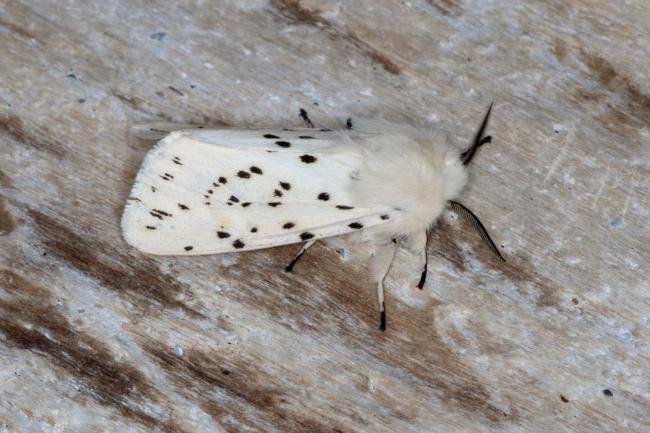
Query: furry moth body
{"x": 202, "y": 191}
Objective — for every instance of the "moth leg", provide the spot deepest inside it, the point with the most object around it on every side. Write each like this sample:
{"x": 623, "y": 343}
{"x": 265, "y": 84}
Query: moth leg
{"x": 424, "y": 261}
{"x": 306, "y": 245}
{"x": 417, "y": 244}
{"x": 380, "y": 265}
{"x": 305, "y": 117}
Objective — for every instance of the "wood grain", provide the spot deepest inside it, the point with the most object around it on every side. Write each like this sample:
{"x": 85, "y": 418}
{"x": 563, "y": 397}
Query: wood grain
{"x": 95, "y": 336}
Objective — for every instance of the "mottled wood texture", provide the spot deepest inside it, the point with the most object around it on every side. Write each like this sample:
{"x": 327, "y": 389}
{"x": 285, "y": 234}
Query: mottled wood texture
{"x": 97, "y": 337}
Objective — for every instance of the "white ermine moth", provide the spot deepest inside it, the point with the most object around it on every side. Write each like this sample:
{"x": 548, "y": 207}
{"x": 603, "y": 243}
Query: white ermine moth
{"x": 209, "y": 191}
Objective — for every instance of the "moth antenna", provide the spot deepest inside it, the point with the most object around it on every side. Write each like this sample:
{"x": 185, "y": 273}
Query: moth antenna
{"x": 478, "y": 226}
{"x": 479, "y": 140}
{"x": 308, "y": 244}
{"x": 305, "y": 117}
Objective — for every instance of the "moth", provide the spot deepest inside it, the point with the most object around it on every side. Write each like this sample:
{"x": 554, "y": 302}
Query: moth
{"x": 211, "y": 191}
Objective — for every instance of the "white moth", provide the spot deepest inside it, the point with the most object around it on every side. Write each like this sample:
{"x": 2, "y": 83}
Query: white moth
{"x": 209, "y": 191}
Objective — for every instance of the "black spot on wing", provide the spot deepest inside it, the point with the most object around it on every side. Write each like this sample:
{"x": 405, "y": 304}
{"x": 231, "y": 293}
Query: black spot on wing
{"x": 285, "y": 186}
{"x": 176, "y": 160}
{"x": 306, "y": 137}
{"x": 166, "y": 176}
{"x": 256, "y": 170}
{"x": 343, "y": 207}
{"x": 308, "y": 159}
{"x": 246, "y": 204}
{"x": 189, "y": 248}
{"x": 277, "y": 193}
{"x": 223, "y": 235}
{"x": 275, "y": 203}
{"x": 210, "y": 191}
{"x": 160, "y": 214}
{"x": 355, "y": 226}
{"x": 153, "y": 189}
{"x": 270, "y": 136}
{"x": 384, "y": 217}
{"x": 182, "y": 206}
{"x": 323, "y": 196}
{"x": 325, "y": 130}
{"x": 215, "y": 184}
{"x": 254, "y": 230}
{"x": 151, "y": 227}
{"x": 223, "y": 180}
{"x": 288, "y": 226}
{"x": 306, "y": 236}
{"x": 243, "y": 174}
{"x": 282, "y": 143}
{"x": 234, "y": 199}
{"x": 238, "y": 244}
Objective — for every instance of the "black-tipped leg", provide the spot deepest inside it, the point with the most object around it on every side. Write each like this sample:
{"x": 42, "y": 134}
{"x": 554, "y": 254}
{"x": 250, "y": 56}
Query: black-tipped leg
{"x": 348, "y": 123}
{"x": 478, "y": 226}
{"x": 479, "y": 140}
{"x": 382, "y": 318}
{"x": 424, "y": 261}
{"x": 423, "y": 278}
{"x": 308, "y": 244}
{"x": 305, "y": 117}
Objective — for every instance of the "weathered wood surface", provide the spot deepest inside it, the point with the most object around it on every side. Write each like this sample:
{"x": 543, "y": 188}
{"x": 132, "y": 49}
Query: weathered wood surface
{"x": 97, "y": 337}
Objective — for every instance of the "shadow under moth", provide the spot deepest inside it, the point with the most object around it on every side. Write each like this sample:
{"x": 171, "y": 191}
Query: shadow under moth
{"x": 210, "y": 191}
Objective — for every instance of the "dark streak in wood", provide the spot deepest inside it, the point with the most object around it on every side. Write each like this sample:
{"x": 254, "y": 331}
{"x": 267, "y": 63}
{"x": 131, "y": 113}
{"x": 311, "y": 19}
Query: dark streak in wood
{"x": 7, "y": 224}
{"x": 29, "y": 321}
{"x": 13, "y": 126}
{"x": 139, "y": 280}
{"x": 5, "y": 181}
{"x": 295, "y": 12}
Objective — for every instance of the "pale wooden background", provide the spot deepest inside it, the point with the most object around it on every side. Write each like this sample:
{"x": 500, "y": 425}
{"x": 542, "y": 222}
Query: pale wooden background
{"x": 97, "y": 337}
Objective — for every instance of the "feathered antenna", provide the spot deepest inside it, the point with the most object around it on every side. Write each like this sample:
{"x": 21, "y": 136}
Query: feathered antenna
{"x": 478, "y": 226}
{"x": 479, "y": 140}
{"x": 461, "y": 209}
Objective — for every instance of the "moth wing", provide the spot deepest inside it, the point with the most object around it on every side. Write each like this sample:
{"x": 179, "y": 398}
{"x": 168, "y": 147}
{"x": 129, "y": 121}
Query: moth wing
{"x": 215, "y": 191}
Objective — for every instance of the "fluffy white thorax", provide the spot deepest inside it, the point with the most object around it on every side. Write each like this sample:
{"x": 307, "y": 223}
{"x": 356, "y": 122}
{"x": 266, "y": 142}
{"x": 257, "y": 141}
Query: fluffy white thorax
{"x": 413, "y": 171}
